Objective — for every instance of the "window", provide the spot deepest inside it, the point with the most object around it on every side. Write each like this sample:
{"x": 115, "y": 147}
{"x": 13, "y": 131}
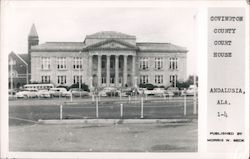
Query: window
{"x": 173, "y": 80}
{"x": 120, "y": 64}
{"x": 173, "y": 63}
{"x": 61, "y": 79}
{"x": 159, "y": 79}
{"x": 45, "y": 63}
{"x": 144, "y": 63}
{"x": 103, "y": 79}
{"x": 61, "y": 63}
{"x": 158, "y": 63}
{"x": 45, "y": 79}
{"x": 143, "y": 79}
{"x": 77, "y": 63}
{"x": 76, "y": 79}
{"x": 103, "y": 64}
{"x": 112, "y": 64}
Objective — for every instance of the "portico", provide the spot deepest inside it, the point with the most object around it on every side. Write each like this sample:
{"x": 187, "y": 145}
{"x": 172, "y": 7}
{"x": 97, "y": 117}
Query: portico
{"x": 112, "y": 70}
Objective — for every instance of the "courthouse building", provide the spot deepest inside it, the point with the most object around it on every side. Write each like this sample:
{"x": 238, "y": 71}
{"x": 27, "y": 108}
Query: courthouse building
{"x": 107, "y": 58}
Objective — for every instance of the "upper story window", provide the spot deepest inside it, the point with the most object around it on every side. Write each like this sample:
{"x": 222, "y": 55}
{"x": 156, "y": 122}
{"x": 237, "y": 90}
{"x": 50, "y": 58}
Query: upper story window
{"x": 45, "y": 63}
{"x": 158, "y": 63}
{"x": 61, "y": 63}
{"x": 77, "y": 63}
{"x": 144, "y": 63}
{"x": 173, "y": 63}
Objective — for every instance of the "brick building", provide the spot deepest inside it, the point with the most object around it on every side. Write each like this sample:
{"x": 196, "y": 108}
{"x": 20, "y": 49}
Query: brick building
{"x": 19, "y": 64}
{"x": 107, "y": 58}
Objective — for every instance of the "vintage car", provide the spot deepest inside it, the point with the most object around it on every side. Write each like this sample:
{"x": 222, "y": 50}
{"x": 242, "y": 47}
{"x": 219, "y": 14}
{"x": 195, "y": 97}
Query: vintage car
{"x": 43, "y": 94}
{"x": 76, "y": 92}
{"x": 28, "y": 93}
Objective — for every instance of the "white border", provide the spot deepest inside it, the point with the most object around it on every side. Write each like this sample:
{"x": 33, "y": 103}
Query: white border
{"x": 202, "y": 72}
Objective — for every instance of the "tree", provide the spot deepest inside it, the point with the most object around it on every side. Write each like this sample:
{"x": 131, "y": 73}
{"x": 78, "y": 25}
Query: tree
{"x": 181, "y": 85}
{"x": 187, "y": 83}
{"x": 61, "y": 86}
{"x": 149, "y": 86}
{"x": 191, "y": 80}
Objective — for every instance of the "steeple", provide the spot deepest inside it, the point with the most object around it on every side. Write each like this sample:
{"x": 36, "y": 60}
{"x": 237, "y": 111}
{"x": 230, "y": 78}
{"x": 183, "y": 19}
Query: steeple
{"x": 33, "y": 40}
{"x": 33, "y": 32}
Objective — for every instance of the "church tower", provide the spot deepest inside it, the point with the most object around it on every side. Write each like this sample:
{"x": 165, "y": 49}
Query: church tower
{"x": 32, "y": 41}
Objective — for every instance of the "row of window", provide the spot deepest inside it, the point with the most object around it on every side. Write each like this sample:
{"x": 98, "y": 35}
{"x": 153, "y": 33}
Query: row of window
{"x": 158, "y": 79}
{"x": 77, "y": 63}
{"x": 61, "y": 79}
{"x": 61, "y": 63}
{"x": 143, "y": 79}
{"x": 143, "y": 61}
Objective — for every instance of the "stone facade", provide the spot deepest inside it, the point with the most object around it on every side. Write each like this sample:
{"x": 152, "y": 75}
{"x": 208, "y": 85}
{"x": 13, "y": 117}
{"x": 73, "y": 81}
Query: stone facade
{"x": 108, "y": 59}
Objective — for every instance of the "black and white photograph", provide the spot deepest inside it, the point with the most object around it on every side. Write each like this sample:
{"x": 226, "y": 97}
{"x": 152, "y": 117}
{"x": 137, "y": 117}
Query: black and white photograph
{"x": 107, "y": 79}
{"x": 102, "y": 79}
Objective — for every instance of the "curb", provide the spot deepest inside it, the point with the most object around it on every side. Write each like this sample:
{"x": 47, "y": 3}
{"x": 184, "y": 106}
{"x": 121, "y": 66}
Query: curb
{"x": 114, "y": 121}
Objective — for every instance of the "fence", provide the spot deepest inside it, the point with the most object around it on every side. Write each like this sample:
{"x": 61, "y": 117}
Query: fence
{"x": 130, "y": 107}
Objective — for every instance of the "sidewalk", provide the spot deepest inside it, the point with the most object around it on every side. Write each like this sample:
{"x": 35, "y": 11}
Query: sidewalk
{"x": 115, "y": 121}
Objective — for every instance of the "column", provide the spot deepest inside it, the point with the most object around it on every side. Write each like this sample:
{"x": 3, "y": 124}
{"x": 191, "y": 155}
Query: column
{"x": 99, "y": 71}
{"x": 133, "y": 71}
{"x": 108, "y": 71}
{"x": 90, "y": 70}
{"x": 116, "y": 70}
{"x": 125, "y": 69}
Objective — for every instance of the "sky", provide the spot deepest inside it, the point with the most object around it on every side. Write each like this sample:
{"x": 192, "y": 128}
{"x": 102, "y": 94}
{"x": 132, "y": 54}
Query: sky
{"x": 71, "y": 23}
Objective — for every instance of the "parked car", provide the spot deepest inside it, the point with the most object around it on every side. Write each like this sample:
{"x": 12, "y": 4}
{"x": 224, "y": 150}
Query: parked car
{"x": 130, "y": 91}
{"x": 66, "y": 94}
{"x": 149, "y": 92}
{"x": 43, "y": 94}
{"x": 190, "y": 91}
{"x": 109, "y": 91}
{"x": 76, "y": 92}
{"x": 22, "y": 94}
{"x": 159, "y": 92}
{"x": 57, "y": 92}
{"x": 141, "y": 90}
{"x": 169, "y": 94}
{"x": 174, "y": 90}
{"x": 28, "y": 93}
{"x": 103, "y": 93}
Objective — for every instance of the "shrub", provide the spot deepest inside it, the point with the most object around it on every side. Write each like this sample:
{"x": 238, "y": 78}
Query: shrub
{"x": 83, "y": 86}
{"x": 182, "y": 85}
{"x": 66, "y": 87}
{"x": 149, "y": 86}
